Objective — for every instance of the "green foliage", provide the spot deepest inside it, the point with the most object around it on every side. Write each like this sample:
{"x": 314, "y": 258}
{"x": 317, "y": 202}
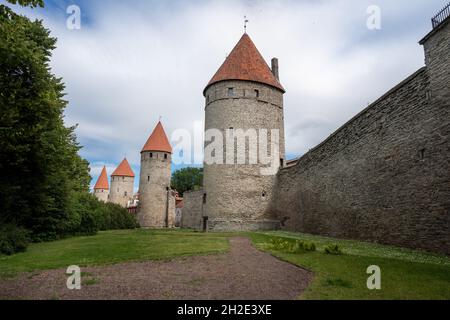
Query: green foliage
{"x": 290, "y": 245}
{"x": 333, "y": 249}
{"x": 13, "y": 239}
{"x": 114, "y": 217}
{"x": 87, "y": 216}
{"x": 187, "y": 179}
{"x": 30, "y": 3}
{"x": 39, "y": 161}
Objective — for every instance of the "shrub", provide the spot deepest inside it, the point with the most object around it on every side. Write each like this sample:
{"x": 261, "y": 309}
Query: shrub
{"x": 113, "y": 217}
{"x": 291, "y": 246}
{"x": 333, "y": 249}
{"x": 82, "y": 215}
{"x": 13, "y": 239}
{"x": 87, "y": 215}
{"x": 302, "y": 246}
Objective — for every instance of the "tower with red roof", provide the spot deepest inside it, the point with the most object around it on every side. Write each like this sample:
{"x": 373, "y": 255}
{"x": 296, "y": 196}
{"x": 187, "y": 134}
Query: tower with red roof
{"x": 245, "y": 94}
{"x": 101, "y": 188}
{"x": 156, "y": 202}
{"x": 122, "y": 184}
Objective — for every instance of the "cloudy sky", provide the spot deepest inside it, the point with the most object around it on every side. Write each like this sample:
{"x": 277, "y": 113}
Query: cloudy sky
{"x": 135, "y": 61}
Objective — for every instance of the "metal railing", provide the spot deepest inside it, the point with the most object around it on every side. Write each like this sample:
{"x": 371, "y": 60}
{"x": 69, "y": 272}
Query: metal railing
{"x": 441, "y": 16}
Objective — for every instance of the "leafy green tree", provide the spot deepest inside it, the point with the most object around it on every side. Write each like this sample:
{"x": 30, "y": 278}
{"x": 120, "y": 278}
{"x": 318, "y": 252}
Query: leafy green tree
{"x": 187, "y": 179}
{"x": 39, "y": 162}
{"x": 31, "y": 3}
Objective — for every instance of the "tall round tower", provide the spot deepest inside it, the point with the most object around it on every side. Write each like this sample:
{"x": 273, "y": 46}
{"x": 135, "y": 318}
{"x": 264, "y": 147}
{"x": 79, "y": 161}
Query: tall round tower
{"x": 122, "y": 184}
{"x": 244, "y": 96}
{"x": 155, "y": 198}
{"x": 101, "y": 188}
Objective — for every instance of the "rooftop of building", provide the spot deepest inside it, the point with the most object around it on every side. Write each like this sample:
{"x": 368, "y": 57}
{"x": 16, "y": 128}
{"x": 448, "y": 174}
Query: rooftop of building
{"x": 123, "y": 170}
{"x": 158, "y": 140}
{"x": 102, "y": 182}
{"x": 245, "y": 63}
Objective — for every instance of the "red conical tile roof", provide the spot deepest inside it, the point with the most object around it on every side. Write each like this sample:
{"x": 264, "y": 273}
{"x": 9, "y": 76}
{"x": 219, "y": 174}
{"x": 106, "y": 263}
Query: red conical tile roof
{"x": 102, "y": 182}
{"x": 246, "y": 63}
{"x": 158, "y": 141}
{"x": 123, "y": 170}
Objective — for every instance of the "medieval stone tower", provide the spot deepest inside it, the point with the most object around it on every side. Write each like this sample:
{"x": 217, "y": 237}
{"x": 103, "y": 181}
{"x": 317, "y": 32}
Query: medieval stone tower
{"x": 244, "y": 94}
{"x": 122, "y": 184}
{"x": 155, "y": 198}
{"x": 101, "y": 188}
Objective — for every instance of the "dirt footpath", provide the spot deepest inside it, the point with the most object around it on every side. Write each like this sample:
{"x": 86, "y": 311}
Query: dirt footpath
{"x": 243, "y": 273}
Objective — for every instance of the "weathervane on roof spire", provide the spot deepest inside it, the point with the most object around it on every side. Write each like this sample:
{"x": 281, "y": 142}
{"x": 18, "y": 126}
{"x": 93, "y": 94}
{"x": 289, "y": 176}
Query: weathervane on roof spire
{"x": 245, "y": 23}
{"x": 160, "y": 118}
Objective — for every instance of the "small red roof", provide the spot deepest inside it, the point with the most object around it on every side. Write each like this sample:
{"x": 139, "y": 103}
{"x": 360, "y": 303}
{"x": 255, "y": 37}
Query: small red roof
{"x": 123, "y": 170}
{"x": 246, "y": 63}
{"x": 158, "y": 140}
{"x": 180, "y": 204}
{"x": 102, "y": 182}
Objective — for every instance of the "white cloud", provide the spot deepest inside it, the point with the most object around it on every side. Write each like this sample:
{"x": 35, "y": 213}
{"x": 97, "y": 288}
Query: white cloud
{"x": 136, "y": 61}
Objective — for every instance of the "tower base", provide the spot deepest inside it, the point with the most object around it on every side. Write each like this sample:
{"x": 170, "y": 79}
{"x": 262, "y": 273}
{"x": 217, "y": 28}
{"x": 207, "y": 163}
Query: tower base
{"x": 243, "y": 225}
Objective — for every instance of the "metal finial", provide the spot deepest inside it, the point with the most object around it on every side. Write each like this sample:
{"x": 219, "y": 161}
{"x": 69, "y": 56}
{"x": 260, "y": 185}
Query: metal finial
{"x": 245, "y": 23}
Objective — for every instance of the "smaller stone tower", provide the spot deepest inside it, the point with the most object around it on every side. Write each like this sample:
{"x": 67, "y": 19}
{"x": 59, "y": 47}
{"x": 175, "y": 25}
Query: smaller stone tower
{"x": 155, "y": 196}
{"x": 122, "y": 184}
{"x": 101, "y": 188}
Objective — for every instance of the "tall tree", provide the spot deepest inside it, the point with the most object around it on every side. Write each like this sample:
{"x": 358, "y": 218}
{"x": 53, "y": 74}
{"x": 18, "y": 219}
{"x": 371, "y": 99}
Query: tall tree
{"x": 39, "y": 162}
{"x": 187, "y": 179}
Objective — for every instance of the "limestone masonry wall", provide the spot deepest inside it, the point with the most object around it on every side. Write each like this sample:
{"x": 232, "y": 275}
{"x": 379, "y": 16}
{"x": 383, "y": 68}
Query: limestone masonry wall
{"x": 102, "y": 194}
{"x": 154, "y": 195}
{"x": 192, "y": 216}
{"x": 121, "y": 190}
{"x": 238, "y": 196}
{"x": 382, "y": 177}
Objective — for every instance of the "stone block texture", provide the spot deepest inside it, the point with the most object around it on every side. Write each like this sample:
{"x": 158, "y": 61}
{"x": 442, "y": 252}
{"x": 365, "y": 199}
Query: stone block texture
{"x": 121, "y": 190}
{"x": 237, "y": 195}
{"x": 192, "y": 215}
{"x": 384, "y": 176}
{"x": 156, "y": 202}
{"x": 102, "y": 194}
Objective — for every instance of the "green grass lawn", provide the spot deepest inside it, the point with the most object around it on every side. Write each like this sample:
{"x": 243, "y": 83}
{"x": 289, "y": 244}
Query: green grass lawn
{"x": 112, "y": 247}
{"x": 405, "y": 274}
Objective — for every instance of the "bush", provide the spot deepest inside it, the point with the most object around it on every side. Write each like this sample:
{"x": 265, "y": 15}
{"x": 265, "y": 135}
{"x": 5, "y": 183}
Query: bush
{"x": 303, "y": 246}
{"x": 84, "y": 215}
{"x": 291, "y": 245}
{"x": 87, "y": 215}
{"x": 113, "y": 217}
{"x": 333, "y": 249}
{"x": 13, "y": 239}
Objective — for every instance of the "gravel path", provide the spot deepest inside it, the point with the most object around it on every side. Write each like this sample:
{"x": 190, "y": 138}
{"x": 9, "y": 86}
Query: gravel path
{"x": 243, "y": 273}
